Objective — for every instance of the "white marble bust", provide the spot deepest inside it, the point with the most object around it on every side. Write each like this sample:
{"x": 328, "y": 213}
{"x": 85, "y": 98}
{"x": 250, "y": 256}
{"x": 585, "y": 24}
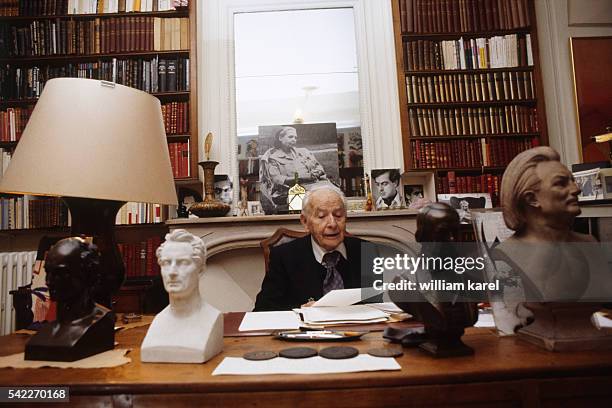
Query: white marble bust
{"x": 188, "y": 330}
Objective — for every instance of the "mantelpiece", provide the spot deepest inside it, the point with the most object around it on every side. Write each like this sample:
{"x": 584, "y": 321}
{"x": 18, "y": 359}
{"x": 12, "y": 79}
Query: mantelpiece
{"x": 235, "y": 261}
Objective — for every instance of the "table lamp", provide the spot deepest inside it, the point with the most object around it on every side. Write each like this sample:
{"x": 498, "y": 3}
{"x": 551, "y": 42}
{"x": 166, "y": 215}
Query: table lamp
{"x": 97, "y": 145}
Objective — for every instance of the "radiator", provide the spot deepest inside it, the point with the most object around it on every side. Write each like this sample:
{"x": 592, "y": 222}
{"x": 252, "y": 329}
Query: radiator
{"x": 16, "y": 271}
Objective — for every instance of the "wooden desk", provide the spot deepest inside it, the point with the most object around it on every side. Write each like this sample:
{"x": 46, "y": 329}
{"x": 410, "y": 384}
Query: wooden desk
{"x": 504, "y": 373}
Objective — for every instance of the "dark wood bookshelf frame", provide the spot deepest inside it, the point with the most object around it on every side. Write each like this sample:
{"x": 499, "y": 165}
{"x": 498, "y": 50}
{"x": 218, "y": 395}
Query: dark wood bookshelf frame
{"x": 183, "y": 12}
{"x": 466, "y": 71}
{"x": 456, "y": 35}
{"x": 505, "y": 102}
{"x": 88, "y": 57}
{"x": 485, "y": 136}
{"x": 402, "y": 72}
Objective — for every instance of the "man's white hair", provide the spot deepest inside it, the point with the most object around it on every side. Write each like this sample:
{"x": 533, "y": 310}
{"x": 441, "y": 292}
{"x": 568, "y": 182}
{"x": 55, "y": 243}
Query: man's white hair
{"x": 321, "y": 187}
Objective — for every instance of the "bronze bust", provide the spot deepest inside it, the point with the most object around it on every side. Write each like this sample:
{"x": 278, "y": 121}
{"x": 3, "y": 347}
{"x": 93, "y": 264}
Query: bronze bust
{"x": 82, "y": 328}
{"x": 444, "y": 316}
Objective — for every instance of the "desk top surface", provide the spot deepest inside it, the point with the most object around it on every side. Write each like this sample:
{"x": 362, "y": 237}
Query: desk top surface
{"x": 495, "y": 359}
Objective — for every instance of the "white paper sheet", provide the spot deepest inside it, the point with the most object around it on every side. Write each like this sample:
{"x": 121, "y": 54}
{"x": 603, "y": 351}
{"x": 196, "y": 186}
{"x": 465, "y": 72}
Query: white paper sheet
{"x": 340, "y": 297}
{"x": 388, "y": 307}
{"x": 311, "y": 365}
{"x": 602, "y": 321}
{"x": 269, "y": 321}
{"x": 485, "y": 320}
{"x": 353, "y": 313}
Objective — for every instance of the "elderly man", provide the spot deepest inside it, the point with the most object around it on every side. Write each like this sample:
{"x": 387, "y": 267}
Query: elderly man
{"x": 307, "y": 268}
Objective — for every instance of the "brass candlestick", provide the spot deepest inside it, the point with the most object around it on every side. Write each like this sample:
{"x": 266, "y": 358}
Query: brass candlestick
{"x": 210, "y": 207}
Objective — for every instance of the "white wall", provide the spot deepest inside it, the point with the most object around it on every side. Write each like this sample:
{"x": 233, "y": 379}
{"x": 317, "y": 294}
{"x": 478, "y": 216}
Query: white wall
{"x": 554, "y": 35}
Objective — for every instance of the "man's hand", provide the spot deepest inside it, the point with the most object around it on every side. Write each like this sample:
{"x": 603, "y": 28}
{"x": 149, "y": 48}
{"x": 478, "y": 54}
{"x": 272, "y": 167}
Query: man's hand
{"x": 309, "y": 304}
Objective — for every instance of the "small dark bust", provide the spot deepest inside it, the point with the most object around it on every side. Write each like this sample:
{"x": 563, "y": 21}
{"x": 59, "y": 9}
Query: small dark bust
{"x": 83, "y": 328}
{"x": 437, "y": 228}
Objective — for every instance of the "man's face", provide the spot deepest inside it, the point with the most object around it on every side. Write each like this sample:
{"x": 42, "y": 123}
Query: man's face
{"x": 558, "y": 192}
{"x": 224, "y": 191}
{"x": 288, "y": 137}
{"x": 464, "y": 205}
{"x": 386, "y": 188}
{"x": 326, "y": 219}
{"x": 179, "y": 269}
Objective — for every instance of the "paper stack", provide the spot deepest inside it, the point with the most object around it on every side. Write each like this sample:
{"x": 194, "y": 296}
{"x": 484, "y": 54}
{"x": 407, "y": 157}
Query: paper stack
{"x": 358, "y": 314}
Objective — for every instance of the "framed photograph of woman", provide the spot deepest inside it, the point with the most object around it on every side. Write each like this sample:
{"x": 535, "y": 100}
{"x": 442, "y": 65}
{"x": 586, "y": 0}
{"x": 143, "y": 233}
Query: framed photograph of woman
{"x": 310, "y": 151}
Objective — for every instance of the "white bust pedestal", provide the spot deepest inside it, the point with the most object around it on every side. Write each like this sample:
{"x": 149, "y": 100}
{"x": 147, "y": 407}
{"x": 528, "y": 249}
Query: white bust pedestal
{"x": 193, "y": 338}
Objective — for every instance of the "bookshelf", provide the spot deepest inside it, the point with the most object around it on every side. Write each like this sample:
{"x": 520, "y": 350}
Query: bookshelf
{"x": 143, "y": 44}
{"x": 470, "y": 88}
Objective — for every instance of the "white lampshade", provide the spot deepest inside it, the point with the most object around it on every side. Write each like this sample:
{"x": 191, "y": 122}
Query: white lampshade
{"x": 93, "y": 139}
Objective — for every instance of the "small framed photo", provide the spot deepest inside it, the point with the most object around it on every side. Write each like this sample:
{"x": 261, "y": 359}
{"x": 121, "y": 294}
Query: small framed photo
{"x": 224, "y": 190}
{"x": 355, "y": 204}
{"x": 419, "y": 188}
{"x": 387, "y": 189}
{"x": 413, "y": 193}
{"x": 464, "y": 203}
{"x": 590, "y": 184}
{"x": 254, "y": 208}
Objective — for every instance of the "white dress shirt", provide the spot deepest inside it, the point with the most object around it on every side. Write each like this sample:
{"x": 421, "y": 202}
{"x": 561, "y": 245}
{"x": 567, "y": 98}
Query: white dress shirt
{"x": 319, "y": 252}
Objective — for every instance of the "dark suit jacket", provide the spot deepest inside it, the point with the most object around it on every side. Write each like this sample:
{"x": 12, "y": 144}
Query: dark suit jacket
{"x": 294, "y": 275}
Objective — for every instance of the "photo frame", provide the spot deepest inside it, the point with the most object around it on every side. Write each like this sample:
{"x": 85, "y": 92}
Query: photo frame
{"x": 387, "y": 190}
{"x": 224, "y": 191}
{"x": 425, "y": 179}
{"x": 310, "y": 150}
{"x": 590, "y": 184}
{"x": 464, "y": 203}
{"x": 413, "y": 193}
{"x": 255, "y": 208}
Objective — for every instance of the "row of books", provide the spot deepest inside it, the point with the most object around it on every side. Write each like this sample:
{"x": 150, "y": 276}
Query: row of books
{"x": 512, "y": 50}
{"x": 63, "y": 7}
{"x": 141, "y": 213}
{"x": 13, "y": 122}
{"x": 473, "y": 121}
{"x": 179, "y": 159}
{"x": 95, "y": 36}
{"x": 139, "y": 258}
{"x": 483, "y": 183}
{"x": 492, "y": 86}
{"x": 435, "y": 16}
{"x": 149, "y": 75}
{"x": 121, "y": 6}
{"x": 176, "y": 117}
{"x": 32, "y": 212}
{"x": 468, "y": 153}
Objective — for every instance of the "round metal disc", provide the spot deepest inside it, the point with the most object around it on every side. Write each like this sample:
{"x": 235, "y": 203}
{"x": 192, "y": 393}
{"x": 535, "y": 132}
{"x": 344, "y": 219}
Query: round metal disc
{"x": 298, "y": 352}
{"x": 385, "y": 352}
{"x": 339, "y": 352}
{"x": 259, "y": 355}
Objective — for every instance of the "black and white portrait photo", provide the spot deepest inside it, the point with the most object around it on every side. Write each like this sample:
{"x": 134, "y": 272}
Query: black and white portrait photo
{"x": 412, "y": 194}
{"x": 308, "y": 150}
{"x": 224, "y": 190}
{"x": 387, "y": 189}
{"x": 463, "y": 203}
